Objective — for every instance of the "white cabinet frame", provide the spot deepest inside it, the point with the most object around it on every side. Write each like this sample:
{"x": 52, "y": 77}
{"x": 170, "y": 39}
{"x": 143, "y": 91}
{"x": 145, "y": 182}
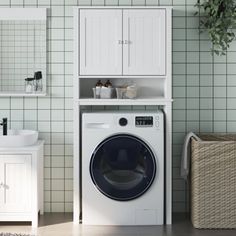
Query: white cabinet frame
{"x": 165, "y": 101}
{"x": 35, "y": 169}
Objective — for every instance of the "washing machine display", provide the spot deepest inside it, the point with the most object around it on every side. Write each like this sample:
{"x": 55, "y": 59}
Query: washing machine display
{"x": 123, "y": 167}
{"x": 143, "y": 121}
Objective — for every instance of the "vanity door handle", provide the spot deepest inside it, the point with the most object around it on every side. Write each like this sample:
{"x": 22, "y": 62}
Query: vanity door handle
{"x": 4, "y": 186}
{"x": 120, "y": 41}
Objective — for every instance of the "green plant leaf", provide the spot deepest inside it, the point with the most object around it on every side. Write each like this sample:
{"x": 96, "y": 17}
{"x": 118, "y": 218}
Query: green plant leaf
{"x": 218, "y": 20}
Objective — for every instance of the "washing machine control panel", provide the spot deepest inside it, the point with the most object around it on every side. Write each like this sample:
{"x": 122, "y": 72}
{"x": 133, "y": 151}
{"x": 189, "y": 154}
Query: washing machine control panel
{"x": 143, "y": 121}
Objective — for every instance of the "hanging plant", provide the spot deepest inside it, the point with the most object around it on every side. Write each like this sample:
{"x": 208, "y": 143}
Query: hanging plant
{"x": 218, "y": 19}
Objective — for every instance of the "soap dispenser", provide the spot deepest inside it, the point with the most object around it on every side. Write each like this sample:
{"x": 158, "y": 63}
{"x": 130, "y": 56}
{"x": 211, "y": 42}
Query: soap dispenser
{"x": 29, "y": 85}
{"x": 38, "y": 81}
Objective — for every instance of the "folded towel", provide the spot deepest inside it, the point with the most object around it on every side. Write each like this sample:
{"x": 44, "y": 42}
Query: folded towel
{"x": 185, "y": 161}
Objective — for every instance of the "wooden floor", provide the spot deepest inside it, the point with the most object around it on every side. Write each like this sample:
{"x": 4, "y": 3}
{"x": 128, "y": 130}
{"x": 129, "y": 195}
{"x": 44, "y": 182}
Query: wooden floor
{"x": 59, "y": 224}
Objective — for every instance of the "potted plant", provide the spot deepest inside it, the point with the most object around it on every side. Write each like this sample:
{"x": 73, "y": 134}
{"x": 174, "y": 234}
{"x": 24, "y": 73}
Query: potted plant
{"x": 218, "y": 19}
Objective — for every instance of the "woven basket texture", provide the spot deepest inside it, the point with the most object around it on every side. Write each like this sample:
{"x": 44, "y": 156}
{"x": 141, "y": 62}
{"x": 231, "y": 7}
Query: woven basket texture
{"x": 213, "y": 182}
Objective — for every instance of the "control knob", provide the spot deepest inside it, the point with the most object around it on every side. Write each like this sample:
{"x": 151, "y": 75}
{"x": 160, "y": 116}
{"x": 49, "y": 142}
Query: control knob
{"x": 123, "y": 121}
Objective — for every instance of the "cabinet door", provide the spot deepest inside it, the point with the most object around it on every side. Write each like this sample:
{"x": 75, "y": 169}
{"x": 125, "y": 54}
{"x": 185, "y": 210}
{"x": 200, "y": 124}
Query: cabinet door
{"x": 101, "y": 42}
{"x": 144, "y": 42}
{"x": 15, "y": 181}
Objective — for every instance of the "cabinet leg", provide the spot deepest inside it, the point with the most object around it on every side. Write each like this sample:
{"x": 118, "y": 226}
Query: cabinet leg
{"x": 35, "y": 221}
{"x": 41, "y": 205}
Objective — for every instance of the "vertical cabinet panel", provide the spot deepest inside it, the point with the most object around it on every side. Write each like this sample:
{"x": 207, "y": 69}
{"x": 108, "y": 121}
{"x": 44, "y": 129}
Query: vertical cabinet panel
{"x": 144, "y": 42}
{"x": 15, "y": 183}
{"x": 101, "y": 42}
{"x": 1, "y": 183}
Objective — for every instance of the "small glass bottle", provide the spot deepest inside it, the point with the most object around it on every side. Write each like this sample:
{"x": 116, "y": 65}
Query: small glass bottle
{"x": 29, "y": 85}
{"x": 99, "y": 83}
{"x": 38, "y": 87}
{"x": 98, "y": 87}
{"x": 108, "y": 84}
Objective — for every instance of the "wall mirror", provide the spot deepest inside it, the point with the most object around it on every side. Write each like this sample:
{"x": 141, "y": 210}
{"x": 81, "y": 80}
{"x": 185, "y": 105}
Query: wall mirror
{"x": 23, "y": 51}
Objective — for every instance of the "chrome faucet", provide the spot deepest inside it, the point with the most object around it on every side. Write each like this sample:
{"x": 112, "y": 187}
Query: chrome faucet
{"x": 4, "y": 126}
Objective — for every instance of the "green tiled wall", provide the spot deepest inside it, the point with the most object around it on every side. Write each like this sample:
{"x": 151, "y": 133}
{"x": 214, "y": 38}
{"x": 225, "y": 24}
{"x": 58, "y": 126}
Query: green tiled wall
{"x": 204, "y": 90}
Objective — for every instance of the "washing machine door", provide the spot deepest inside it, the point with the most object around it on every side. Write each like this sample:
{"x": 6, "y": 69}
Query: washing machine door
{"x": 123, "y": 167}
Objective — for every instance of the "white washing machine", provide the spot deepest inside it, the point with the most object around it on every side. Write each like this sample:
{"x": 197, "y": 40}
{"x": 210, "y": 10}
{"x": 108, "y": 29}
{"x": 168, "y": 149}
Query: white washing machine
{"x": 122, "y": 168}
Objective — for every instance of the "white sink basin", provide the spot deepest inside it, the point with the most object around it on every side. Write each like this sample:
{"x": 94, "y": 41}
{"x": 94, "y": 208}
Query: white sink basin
{"x": 18, "y": 138}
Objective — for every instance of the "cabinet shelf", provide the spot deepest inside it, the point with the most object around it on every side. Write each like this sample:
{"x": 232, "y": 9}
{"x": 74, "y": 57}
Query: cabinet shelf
{"x": 120, "y": 102}
{"x": 21, "y": 94}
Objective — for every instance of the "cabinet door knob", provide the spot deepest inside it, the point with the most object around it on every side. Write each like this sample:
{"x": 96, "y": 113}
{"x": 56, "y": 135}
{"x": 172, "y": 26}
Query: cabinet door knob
{"x": 127, "y": 42}
{"x": 4, "y": 185}
{"x": 120, "y": 41}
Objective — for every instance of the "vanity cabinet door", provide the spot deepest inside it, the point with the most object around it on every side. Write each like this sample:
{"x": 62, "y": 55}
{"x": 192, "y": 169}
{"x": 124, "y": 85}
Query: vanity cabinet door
{"x": 15, "y": 183}
{"x": 144, "y": 42}
{"x": 101, "y": 42}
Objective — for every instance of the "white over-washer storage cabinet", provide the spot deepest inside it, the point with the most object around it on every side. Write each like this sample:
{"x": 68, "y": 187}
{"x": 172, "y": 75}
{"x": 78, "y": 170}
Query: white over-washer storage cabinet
{"x": 123, "y": 44}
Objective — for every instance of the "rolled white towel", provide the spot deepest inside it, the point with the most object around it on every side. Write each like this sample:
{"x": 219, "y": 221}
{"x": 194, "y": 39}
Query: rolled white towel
{"x": 185, "y": 160}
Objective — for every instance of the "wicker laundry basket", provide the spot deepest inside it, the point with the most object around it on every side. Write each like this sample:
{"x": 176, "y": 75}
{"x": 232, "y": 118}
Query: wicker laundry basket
{"x": 213, "y": 181}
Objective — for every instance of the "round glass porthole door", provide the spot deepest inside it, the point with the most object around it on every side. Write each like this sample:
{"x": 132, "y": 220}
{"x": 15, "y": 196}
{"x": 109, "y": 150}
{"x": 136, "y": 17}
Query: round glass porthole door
{"x": 123, "y": 167}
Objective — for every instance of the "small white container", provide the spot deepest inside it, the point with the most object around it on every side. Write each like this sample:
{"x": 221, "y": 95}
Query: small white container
{"x": 130, "y": 92}
{"x": 120, "y": 93}
{"x": 103, "y": 92}
{"x": 106, "y": 93}
{"x": 96, "y": 92}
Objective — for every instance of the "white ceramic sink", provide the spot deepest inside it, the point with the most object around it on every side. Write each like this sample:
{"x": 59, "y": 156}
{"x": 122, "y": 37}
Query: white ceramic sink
{"x": 18, "y": 138}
